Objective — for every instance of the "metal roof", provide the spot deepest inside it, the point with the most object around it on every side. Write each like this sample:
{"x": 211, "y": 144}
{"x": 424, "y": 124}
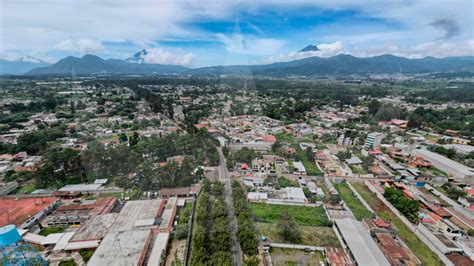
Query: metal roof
{"x": 362, "y": 246}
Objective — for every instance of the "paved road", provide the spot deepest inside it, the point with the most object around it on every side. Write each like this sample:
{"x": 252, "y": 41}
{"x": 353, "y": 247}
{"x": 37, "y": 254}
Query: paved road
{"x": 225, "y": 178}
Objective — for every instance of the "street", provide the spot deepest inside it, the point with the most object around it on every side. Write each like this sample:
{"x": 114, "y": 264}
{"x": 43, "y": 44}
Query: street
{"x": 225, "y": 178}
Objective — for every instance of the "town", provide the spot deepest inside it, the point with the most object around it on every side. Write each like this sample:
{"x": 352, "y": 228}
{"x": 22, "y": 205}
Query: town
{"x": 224, "y": 171}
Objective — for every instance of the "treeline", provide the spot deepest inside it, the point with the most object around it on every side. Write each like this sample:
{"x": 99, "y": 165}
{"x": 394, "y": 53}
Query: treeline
{"x": 460, "y": 119}
{"x": 136, "y": 162}
{"x": 211, "y": 242}
{"x": 246, "y": 233}
{"x": 34, "y": 142}
{"x": 49, "y": 103}
{"x": 409, "y": 208}
{"x": 463, "y": 92}
{"x": 244, "y": 155}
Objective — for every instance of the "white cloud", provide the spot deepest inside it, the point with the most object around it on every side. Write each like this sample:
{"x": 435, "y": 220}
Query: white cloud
{"x": 439, "y": 48}
{"x": 250, "y": 45}
{"x": 40, "y": 26}
{"x": 160, "y": 56}
{"x": 83, "y": 46}
{"x": 325, "y": 50}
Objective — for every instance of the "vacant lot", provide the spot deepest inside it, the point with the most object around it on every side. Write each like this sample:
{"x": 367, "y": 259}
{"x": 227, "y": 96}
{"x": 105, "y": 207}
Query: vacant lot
{"x": 271, "y": 213}
{"x": 285, "y": 257}
{"x": 422, "y": 251}
{"x": 357, "y": 208}
{"x": 320, "y": 236}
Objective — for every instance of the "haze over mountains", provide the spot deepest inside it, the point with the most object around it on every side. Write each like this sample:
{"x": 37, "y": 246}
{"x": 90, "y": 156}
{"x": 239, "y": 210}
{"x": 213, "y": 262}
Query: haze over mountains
{"x": 21, "y": 65}
{"x": 341, "y": 64}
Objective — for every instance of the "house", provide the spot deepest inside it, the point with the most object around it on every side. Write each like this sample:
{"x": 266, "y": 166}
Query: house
{"x": 354, "y": 160}
{"x": 299, "y": 168}
{"x": 295, "y": 194}
{"x": 467, "y": 202}
{"x": 257, "y": 196}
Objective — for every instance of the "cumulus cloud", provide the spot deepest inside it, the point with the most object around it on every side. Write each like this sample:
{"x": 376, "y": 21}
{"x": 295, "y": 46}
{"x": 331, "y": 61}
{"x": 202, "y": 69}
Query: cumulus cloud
{"x": 448, "y": 25}
{"x": 83, "y": 46}
{"x": 438, "y": 48}
{"x": 161, "y": 56}
{"x": 325, "y": 50}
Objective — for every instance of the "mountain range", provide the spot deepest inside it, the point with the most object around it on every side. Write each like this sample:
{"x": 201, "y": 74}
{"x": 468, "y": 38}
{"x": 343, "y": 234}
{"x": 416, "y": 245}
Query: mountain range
{"x": 342, "y": 64}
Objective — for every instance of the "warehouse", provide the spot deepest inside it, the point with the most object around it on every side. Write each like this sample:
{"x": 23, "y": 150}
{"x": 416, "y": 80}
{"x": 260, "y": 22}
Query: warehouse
{"x": 360, "y": 244}
{"x": 459, "y": 171}
{"x": 130, "y": 234}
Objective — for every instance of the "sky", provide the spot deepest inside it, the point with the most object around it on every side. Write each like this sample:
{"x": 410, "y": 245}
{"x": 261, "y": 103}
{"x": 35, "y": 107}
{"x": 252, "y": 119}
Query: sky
{"x": 220, "y": 32}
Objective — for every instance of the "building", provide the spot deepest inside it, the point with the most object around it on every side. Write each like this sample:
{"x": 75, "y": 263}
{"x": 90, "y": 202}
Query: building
{"x": 458, "y": 171}
{"x": 359, "y": 243}
{"x": 130, "y": 236}
{"x": 6, "y": 188}
{"x": 373, "y": 140}
{"x": 295, "y": 194}
{"x": 299, "y": 168}
{"x": 24, "y": 212}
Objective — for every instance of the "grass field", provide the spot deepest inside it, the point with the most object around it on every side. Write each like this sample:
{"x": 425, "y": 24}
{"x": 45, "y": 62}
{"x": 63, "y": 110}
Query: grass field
{"x": 52, "y": 230}
{"x": 357, "y": 208}
{"x": 290, "y": 257}
{"x": 271, "y": 213}
{"x": 422, "y": 251}
{"x": 285, "y": 182}
{"x": 310, "y": 235}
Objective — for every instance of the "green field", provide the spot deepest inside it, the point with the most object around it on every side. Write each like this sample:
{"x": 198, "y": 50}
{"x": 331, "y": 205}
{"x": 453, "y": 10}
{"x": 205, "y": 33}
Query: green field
{"x": 321, "y": 236}
{"x": 357, "y": 208}
{"x": 270, "y": 213}
{"x": 285, "y": 182}
{"x": 291, "y": 257}
{"x": 51, "y": 230}
{"x": 422, "y": 251}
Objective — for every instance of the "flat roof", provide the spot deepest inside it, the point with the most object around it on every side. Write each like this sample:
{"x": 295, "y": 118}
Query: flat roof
{"x": 159, "y": 248}
{"x": 63, "y": 241}
{"x": 126, "y": 239}
{"x": 133, "y": 211}
{"x": 434, "y": 157}
{"x": 295, "y": 193}
{"x": 82, "y": 244}
{"x": 362, "y": 246}
{"x": 299, "y": 166}
{"x": 80, "y": 188}
{"x": 167, "y": 215}
{"x": 96, "y": 228}
{"x": 19, "y": 210}
{"x": 120, "y": 248}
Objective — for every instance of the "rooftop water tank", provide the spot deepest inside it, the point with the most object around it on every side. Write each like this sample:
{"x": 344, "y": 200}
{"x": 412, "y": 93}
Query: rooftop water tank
{"x": 9, "y": 235}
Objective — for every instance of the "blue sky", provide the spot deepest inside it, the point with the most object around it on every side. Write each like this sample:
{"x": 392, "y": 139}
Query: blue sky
{"x": 203, "y": 33}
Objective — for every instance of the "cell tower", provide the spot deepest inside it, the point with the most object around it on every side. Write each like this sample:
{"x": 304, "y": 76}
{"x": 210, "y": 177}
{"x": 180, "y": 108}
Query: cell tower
{"x": 15, "y": 251}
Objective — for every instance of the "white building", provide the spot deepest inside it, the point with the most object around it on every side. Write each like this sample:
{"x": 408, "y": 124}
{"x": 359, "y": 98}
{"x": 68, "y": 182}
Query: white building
{"x": 295, "y": 194}
{"x": 300, "y": 169}
{"x": 373, "y": 140}
{"x": 458, "y": 171}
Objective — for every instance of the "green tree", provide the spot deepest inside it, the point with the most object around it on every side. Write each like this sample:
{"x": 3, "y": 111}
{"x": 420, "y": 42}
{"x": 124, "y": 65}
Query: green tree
{"x": 288, "y": 228}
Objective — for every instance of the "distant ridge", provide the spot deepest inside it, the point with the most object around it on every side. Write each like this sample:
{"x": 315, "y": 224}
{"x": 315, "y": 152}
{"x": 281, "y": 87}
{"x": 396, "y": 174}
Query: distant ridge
{"x": 342, "y": 64}
{"x": 91, "y": 64}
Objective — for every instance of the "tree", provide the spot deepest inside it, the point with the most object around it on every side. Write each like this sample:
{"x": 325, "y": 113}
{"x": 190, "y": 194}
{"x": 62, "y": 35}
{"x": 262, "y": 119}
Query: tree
{"x": 374, "y": 106}
{"x": 335, "y": 199}
{"x": 288, "y": 228}
{"x": 388, "y": 111}
{"x": 407, "y": 207}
